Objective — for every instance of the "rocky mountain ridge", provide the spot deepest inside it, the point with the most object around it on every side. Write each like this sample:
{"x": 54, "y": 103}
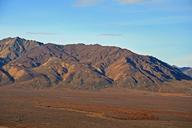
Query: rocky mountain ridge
{"x": 32, "y": 63}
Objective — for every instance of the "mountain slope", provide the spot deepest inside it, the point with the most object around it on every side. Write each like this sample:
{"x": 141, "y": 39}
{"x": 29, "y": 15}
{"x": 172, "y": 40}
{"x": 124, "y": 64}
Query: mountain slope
{"x": 12, "y": 48}
{"x": 80, "y": 66}
{"x": 187, "y": 71}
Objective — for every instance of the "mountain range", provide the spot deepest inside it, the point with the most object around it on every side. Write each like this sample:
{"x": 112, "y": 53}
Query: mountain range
{"x": 32, "y": 63}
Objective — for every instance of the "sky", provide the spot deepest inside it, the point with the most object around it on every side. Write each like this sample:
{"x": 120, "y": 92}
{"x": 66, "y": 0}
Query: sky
{"x": 161, "y": 28}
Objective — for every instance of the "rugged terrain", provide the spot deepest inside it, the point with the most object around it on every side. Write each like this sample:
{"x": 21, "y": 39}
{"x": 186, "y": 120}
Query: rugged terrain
{"x": 187, "y": 71}
{"x": 31, "y": 63}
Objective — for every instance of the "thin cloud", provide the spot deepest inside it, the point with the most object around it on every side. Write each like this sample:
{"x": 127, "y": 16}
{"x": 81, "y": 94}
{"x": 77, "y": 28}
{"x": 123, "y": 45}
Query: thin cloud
{"x": 83, "y": 3}
{"x": 110, "y": 35}
{"x": 40, "y": 33}
{"x": 154, "y": 21}
{"x": 130, "y": 1}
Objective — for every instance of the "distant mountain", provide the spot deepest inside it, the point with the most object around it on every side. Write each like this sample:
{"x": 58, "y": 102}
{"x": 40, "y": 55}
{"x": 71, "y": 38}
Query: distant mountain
{"x": 187, "y": 71}
{"x": 31, "y": 63}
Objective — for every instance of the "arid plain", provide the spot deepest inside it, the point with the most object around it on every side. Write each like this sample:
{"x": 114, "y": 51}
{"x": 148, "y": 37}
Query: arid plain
{"x": 107, "y": 108}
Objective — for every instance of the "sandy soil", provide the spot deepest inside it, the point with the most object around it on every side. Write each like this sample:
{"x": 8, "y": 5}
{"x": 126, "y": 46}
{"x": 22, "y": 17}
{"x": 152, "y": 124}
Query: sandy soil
{"x": 109, "y": 108}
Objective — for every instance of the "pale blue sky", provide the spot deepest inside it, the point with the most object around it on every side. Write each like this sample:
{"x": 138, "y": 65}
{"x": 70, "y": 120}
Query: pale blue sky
{"x": 162, "y": 28}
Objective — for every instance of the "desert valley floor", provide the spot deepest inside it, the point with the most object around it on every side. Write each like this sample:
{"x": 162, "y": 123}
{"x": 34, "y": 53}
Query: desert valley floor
{"x": 64, "y": 108}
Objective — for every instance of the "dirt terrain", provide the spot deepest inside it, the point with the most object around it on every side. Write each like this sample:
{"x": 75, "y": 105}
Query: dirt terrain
{"x": 108, "y": 108}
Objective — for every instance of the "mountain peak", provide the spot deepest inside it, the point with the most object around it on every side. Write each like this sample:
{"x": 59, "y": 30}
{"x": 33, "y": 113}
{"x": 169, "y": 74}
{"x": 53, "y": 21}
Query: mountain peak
{"x": 17, "y": 38}
{"x": 12, "y": 48}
